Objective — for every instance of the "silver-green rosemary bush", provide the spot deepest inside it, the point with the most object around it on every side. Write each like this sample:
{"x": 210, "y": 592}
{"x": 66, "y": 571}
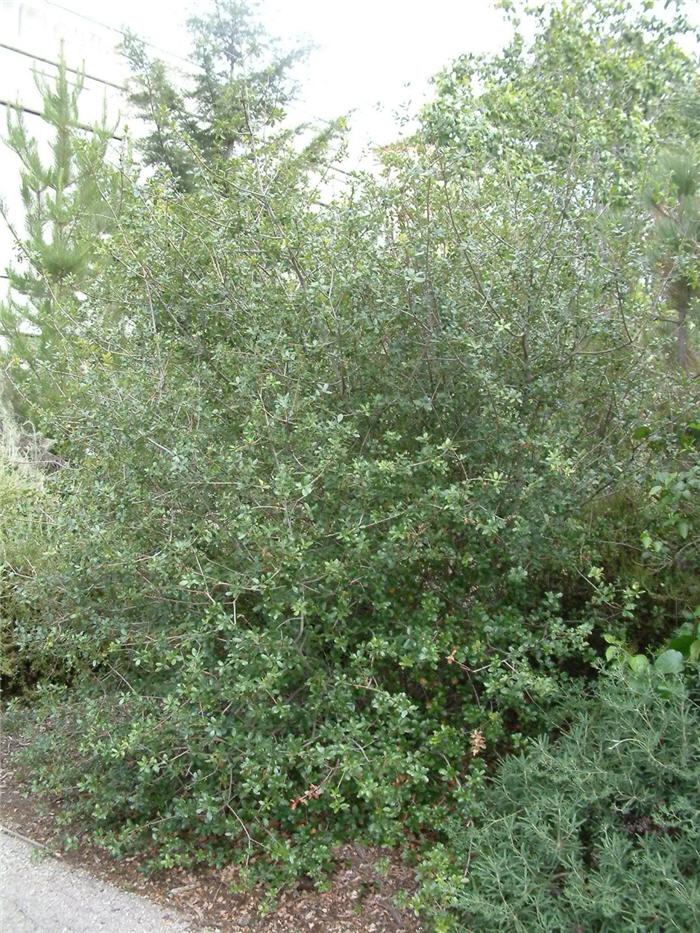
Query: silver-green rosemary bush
{"x": 594, "y": 830}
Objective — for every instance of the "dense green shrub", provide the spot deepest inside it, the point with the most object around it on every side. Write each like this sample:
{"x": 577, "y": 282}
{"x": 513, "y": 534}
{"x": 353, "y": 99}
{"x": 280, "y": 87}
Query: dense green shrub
{"x": 596, "y": 830}
{"x": 26, "y": 506}
{"x": 353, "y": 483}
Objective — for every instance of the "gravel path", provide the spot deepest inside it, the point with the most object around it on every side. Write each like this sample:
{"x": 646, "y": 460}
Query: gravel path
{"x": 40, "y": 894}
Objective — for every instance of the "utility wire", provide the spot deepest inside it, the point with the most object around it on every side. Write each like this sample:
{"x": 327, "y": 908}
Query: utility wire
{"x": 118, "y": 87}
{"x": 48, "y": 61}
{"x": 38, "y": 113}
{"x": 122, "y": 32}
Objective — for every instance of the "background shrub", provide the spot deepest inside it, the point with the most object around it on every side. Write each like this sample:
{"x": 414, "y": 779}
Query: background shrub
{"x": 26, "y": 506}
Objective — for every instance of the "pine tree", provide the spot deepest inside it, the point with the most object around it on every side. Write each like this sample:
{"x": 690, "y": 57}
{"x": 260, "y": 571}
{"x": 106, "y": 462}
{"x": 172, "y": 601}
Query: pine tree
{"x": 65, "y": 210}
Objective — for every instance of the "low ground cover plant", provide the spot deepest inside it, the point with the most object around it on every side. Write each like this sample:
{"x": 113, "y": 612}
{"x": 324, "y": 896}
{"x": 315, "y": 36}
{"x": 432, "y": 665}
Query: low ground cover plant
{"x": 594, "y": 830}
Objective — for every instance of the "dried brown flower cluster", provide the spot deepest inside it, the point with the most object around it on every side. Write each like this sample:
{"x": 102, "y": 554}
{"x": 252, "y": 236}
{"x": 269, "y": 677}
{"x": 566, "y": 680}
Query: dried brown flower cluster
{"x": 314, "y": 791}
{"x": 478, "y": 743}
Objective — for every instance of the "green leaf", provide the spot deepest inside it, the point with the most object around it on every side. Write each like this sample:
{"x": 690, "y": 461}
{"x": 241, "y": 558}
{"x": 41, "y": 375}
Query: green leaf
{"x": 670, "y": 662}
{"x": 638, "y": 663}
{"x": 682, "y": 643}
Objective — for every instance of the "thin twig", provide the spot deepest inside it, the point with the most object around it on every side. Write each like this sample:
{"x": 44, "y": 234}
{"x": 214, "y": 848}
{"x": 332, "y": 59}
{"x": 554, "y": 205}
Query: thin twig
{"x": 33, "y": 842}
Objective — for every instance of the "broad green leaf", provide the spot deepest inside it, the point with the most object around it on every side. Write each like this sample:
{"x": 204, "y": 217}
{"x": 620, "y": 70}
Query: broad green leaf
{"x": 670, "y": 662}
{"x": 682, "y": 643}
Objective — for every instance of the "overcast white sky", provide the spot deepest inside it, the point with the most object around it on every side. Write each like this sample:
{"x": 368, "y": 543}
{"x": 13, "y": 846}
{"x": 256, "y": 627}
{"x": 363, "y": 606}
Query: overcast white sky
{"x": 367, "y": 51}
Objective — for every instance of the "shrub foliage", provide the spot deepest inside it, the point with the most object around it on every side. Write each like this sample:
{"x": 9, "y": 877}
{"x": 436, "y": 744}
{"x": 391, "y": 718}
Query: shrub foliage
{"x": 596, "y": 831}
{"x": 353, "y": 481}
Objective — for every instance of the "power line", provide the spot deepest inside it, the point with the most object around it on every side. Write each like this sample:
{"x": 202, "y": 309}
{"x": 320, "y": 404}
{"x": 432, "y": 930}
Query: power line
{"x": 48, "y": 61}
{"x": 89, "y": 19}
{"x": 38, "y": 113}
{"x": 122, "y": 32}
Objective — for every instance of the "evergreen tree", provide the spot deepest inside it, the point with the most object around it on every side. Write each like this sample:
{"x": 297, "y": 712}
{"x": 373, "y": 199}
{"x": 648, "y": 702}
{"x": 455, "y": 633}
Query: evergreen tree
{"x": 241, "y": 85}
{"x": 65, "y": 210}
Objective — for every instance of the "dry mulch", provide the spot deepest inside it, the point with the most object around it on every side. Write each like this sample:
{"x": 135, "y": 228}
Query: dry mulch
{"x": 360, "y": 899}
